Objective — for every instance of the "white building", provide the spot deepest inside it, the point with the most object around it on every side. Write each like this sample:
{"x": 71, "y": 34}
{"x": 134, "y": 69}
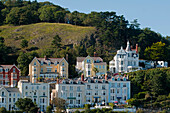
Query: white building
{"x": 38, "y": 92}
{"x": 92, "y": 91}
{"x": 125, "y": 60}
{"x": 8, "y": 97}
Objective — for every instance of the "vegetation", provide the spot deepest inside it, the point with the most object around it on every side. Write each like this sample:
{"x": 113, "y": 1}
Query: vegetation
{"x": 60, "y": 104}
{"x": 150, "y": 88}
{"x": 3, "y": 110}
{"x": 49, "y": 109}
{"x": 26, "y": 105}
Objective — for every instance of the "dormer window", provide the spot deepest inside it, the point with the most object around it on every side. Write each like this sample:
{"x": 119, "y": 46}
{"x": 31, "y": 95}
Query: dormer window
{"x": 79, "y": 82}
{"x": 55, "y": 63}
{"x": 71, "y": 82}
{"x": 96, "y": 81}
{"x": 64, "y": 82}
{"x": 89, "y": 81}
{"x": 113, "y": 79}
{"x": 13, "y": 70}
{"x": 6, "y": 70}
{"x": 63, "y": 64}
{"x": 34, "y": 63}
{"x": 88, "y": 61}
{"x": 42, "y": 62}
{"x": 124, "y": 79}
{"x": 103, "y": 81}
{"x": 49, "y": 63}
{"x": 98, "y": 61}
{"x": 118, "y": 79}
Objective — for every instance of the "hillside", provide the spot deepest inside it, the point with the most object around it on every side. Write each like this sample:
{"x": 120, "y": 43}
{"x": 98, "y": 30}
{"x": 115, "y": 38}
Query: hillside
{"x": 41, "y": 34}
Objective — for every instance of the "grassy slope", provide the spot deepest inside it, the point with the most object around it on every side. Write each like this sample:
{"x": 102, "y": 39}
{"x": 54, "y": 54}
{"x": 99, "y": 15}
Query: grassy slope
{"x": 41, "y": 34}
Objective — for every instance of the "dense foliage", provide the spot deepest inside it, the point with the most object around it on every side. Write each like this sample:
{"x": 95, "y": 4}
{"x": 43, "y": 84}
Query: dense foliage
{"x": 112, "y": 31}
{"x": 150, "y": 88}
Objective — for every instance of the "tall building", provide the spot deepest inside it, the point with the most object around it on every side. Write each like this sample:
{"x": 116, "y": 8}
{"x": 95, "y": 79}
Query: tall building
{"x": 38, "y": 92}
{"x": 125, "y": 60}
{"x": 48, "y": 68}
{"x": 93, "y": 90}
{"x": 87, "y": 65}
{"x": 9, "y": 75}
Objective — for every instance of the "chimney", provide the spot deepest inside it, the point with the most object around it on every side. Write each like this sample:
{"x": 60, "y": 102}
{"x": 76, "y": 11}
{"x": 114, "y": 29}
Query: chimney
{"x": 106, "y": 77}
{"x": 45, "y": 57}
{"x": 95, "y": 54}
{"x": 57, "y": 81}
{"x": 82, "y": 77}
{"x": 136, "y": 48}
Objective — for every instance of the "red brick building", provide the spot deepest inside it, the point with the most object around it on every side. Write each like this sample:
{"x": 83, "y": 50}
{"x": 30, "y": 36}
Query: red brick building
{"x": 9, "y": 75}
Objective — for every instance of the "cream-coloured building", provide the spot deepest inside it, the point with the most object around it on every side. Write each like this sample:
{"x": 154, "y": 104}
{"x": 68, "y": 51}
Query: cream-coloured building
{"x": 38, "y": 92}
{"x": 87, "y": 65}
{"x": 48, "y": 68}
{"x": 8, "y": 97}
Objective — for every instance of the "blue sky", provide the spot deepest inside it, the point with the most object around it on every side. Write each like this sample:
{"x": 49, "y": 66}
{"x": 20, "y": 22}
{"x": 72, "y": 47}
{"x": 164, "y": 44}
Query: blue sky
{"x": 154, "y": 14}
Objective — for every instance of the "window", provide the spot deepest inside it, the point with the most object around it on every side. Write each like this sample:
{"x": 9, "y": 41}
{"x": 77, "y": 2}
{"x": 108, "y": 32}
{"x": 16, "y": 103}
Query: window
{"x": 13, "y": 99}
{"x": 3, "y": 100}
{"x": 9, "y": 99}
{"x": 78, "y": 88}
{"x": 37, "y": 87}
{"x": 34, "y": 68}
{"x": 96, "y": 93}
{"x": 77, "y": 101}
{"x": 71, "y": 87}
{"x": 49, "y": 63}
{"x": 88, "y": 87}
{"x": 88, "y": 66}
{"x": 41, "y": 69}
{"x": 6, "y": 76}
{"x": 88, "y": 61}
{"x": 124, "y": 91}
{"x": 124, "y": 84}
{"x": 96, "y": 86}
{"x": 1, "y": 70}
{"x": 63, "y": 88}
{"x": 34, "y": 93}
{"x": 121, "y": 68}
{"x": 48, "y": 69}
{"x": 14, "y": 95}
{"x": 2, "y": 93}
{"x": 124, "y": 97}
{"x": 118, "y": 91}
{"x": 134, "y": 63}
{"x": 56, "y": 70}
{"x": 55, "y": 63}
{"x": 112, "y": 98}
{"x": 118, "y": 85}
{"x": 78, "y": 95}
{"x": 32, "y": 87}
{"x": 44, "y": 87}
{"x": 63, "y": 64}
{"x": 26, "y": 87}
{"x": 6, "y": 70}
{"x": 18, "y": 95}
{"x": 103, "y": 87}
{"x": 71, "y": 101}
{"x": 112, "y": 91}
{"x": 88, "y": 72}
{"x": 104, "y": 92}
{"x": 34, "y": 99}
{"x": 13, "y": 70}
{"x": 113, "y": 84}
{"x": 121, "y": 62}
{"x": 103, "y": 66}
{"x": 26, "y": 93}
{"x": 96, "y": 66}
{"x": 1, "y": 76}
{"x": 43, "y": 100}
{"x": 43, "y": 93}
{"x": 100, "y": 67}
{"x": 34, "y": 63}
{"x": 9, "y": 94}
{"x": 71, "y": 94}
{"x": 128, "y": 55}
{"x": 63, "y": 69}
{"x": 42, "y": 62}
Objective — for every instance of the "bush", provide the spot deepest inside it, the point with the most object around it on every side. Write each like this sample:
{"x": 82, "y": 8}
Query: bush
{"x": 3, "y": 110}
{"x": 139, "y": 111}
{"x": 87, "y": 106}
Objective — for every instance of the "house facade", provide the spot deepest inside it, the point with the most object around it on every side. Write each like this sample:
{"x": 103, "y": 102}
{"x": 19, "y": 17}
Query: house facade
{"x": 93, "y": 90}
{"x": 48, "y": 68}
{"x": 125, "y": 60}
{"x": 87, "y": 64}
{"x": 9, "y": 75}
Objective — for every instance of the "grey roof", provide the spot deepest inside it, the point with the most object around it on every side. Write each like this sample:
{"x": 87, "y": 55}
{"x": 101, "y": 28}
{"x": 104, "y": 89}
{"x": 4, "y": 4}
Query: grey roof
{"x": 11, "y": 89}
{"x": 52, "y": 60}
{"x": 80, "y": 59}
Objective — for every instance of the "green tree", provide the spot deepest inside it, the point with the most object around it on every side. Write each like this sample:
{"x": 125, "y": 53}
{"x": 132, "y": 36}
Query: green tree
{"x": 24, "y": 43}
{"x": 56, "y": 43}
{"x": 3, "y": 51}
{"x": 156, "y": 52}
{"x": 3, "y": 110}
{"x": 95, "y": 70}
{"x": 49, "y": 109}
{"x": 60, "y": 104}
{"x": 26, "y": 105}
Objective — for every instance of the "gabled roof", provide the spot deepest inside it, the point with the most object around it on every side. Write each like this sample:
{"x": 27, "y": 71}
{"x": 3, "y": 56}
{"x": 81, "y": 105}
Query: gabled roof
{"x": 80, "y": 59}
{"x": 8, "y": 66}
{"x": 52, "y": 60}
{"x": 11, "y": 89}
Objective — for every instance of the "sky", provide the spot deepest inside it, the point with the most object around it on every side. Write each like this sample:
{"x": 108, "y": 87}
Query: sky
{"x": 154, "y": 14}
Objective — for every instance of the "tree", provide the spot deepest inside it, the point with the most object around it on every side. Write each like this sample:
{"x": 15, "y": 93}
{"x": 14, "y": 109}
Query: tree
{"x": 26, "y": 105}
{"x": 95, "y": 70}
{"x": 56, "y": 41}
{"x": 156, "y": 52}
{"x": 3, "y": 51}
{"x": 60, "y": 104}
{"x": 3, "y": 110}
{"x": 49, "y": 109}
{"x": 24, "y": 43}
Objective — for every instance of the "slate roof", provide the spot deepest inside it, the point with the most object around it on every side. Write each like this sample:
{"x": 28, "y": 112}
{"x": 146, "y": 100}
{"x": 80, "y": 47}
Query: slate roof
{"x": 11, "y": 89}
{"x": 80, "y": 59}
{"x": 52, "y": 60}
